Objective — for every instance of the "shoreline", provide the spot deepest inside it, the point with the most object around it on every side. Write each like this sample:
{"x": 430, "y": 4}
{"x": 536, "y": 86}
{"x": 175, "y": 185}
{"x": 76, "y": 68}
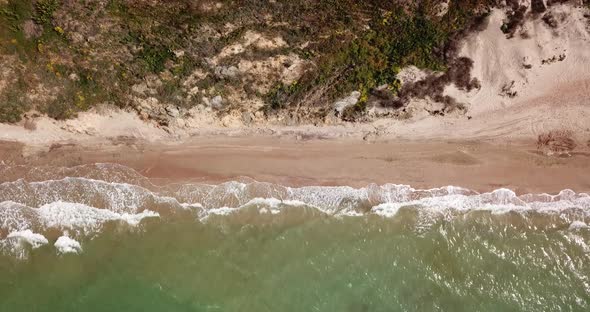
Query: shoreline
{"x": 423, "y": 164}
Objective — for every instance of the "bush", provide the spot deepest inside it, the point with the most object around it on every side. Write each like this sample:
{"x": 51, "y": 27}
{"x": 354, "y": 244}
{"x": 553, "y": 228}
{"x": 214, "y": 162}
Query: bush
{"x": 44, "y": 10}
{"x": 398, "y": 35}
{"x": 12, "y": 104}
{"x": 279, "y": 95}
{"x": 60, "y": 109}
{"x": 515, "y": 19}
{"x": 556, "y": 141}
{"x": 155, "y": 57}
{"x": 357, "y": 45}
{"x": 11, "y": 110}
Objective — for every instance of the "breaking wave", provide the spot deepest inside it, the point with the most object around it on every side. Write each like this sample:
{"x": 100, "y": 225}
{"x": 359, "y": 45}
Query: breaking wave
{"x": 79, "y": 202}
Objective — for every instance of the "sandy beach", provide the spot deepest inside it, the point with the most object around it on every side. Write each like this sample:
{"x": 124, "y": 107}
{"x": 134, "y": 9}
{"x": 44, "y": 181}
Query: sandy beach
{"x": 287, "y": 161}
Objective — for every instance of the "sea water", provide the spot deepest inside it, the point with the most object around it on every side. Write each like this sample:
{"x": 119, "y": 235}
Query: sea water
{"x": 104, "y": 238}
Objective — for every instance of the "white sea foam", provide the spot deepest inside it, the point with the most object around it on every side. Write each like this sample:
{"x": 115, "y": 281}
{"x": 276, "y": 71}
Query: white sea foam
{"x": 388, "y": 199}
{"x": 79, "y": 217}
{"x": 16, "y": 217}
{"x": 576, "y": 225}
{"x": 118, "y": 197}
{"x": 76, "y": 217}
{"x": 135, "y": 219}
{"x": 498, "y": 201}
{"x": 35, "y": 240}
{"x": 65, "y": 244}
{"x": 19, "y": 243}
{"x": 388, "y": 210}
{"x": 83, "y": 205}
{"x": 265, "y": 205}
{"x": 223, "y": 211}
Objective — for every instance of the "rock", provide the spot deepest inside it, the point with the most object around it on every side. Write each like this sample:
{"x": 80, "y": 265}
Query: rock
{"x": 537, "y": 6}
{"x": 153, "y": 82}
{"x": 231, "y": 121}
{"x": 550, "y": 20}
{"x": 247, "y": 118}
{"x": 206, "y": 101}
{"x": 223, "y": 72}
{"x": 193, "y": 91}
{"x": 411, "y": 74}
{"x": 179, "y": 53}
{"x": 348, "y": 101}
{"x": 30, "y": 124}
{"x": 149, "y": 103}
{"x": 140, "y": 88}
{"x": 172, "y": 111}
{"x": 76, "y": 37}
{"x": 166, "y": 75}
{"x": 442, "y": 8}
{"x": 143, "y": 115}
{"x": 216, "y": 102}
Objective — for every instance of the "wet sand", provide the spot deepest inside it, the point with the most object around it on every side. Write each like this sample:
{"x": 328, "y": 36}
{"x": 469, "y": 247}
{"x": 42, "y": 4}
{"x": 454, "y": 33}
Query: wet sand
{"x": 287, "y": 161}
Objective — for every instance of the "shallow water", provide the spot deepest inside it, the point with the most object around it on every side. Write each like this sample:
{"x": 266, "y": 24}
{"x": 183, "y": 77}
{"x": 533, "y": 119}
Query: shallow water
{"x": 250, "y": 246}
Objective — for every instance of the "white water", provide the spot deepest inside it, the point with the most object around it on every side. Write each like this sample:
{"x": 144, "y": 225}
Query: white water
{"x": 65, "y": 245}
{"x": 82, "y": 205}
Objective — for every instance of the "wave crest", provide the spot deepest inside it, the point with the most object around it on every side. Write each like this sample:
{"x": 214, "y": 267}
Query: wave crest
{"x": 44, "y": 199}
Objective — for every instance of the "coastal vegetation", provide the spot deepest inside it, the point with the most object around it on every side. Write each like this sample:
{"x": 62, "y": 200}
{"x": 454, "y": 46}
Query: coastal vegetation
{"x": 557, "y": 141}
{"x": 295, "y": 57}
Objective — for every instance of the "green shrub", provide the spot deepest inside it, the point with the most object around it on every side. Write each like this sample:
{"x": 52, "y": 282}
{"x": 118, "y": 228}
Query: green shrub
{"x": 279, "y": 95}
{"x": 356, "y": 45}
{"x": 61, "y": 108}
{"x": 397, "y": 35}
{"x": 155, "y": 57}
{"x": 44, "y": 10}
{"x": 12, "y": 104}
{"x": 11, "y": 110}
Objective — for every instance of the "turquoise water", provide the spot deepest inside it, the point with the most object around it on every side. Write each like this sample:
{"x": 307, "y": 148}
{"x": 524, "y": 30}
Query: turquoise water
{"x": 291, "y": 256}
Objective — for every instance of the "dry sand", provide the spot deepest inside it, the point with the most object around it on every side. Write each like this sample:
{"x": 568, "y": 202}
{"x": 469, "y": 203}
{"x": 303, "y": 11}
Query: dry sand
{"x": 476, "y": 165}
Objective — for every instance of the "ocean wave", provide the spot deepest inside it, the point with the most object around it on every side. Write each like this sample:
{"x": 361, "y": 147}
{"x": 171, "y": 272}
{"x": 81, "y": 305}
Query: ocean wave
{"x": 75, "y": 217}
{"x": 24, "y": 225}
{"x": 115, "y": 196}
{"x": 83, "y": 204}
{"x": 64, "y": 245}
{"x": 35, "y": 240}
{"x": 18, "y": 243}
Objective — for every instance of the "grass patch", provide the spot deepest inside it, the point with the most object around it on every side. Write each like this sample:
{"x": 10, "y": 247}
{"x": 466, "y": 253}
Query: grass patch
{"x": 154, "y": 57}
{"x": 12, "y": 102}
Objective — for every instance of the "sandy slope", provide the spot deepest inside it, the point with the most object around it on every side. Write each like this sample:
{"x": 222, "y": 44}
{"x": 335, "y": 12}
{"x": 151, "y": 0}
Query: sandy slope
{"x": 554, "y": 95}
{"x": 549, "y": 96}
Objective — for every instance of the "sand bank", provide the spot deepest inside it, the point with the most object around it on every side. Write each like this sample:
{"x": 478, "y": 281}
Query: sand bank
{"x": 421, "y": 164}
